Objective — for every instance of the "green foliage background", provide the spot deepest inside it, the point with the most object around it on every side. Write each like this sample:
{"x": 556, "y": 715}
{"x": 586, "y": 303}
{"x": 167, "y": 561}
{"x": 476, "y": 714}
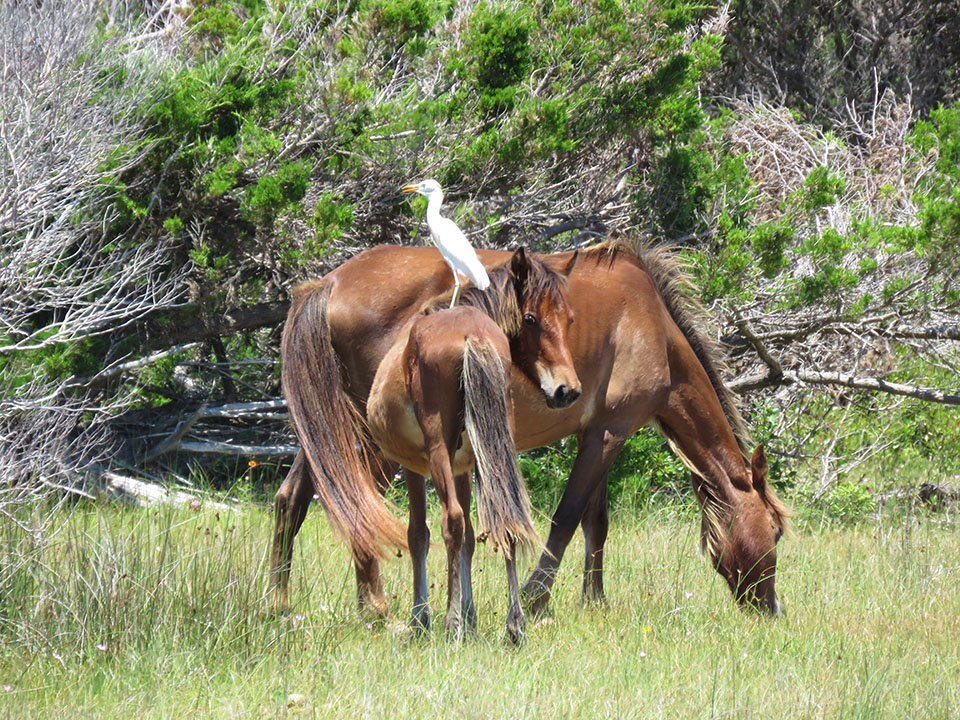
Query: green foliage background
{"x": 276, "y": 135}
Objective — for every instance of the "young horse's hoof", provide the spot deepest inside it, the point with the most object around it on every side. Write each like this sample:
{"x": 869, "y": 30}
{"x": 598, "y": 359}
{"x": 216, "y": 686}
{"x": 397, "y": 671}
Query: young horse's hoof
{"x": 276, "y": 609}
{"x": 516, "y": 626}
{"x": 454, "y": 629}
{"x": 516, "y": 635}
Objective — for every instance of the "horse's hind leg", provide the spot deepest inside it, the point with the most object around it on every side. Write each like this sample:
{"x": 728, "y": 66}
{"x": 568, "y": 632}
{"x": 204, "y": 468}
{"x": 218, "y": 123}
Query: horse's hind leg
{"x": 453, "y": 527}
{"x": 467, "y": 606}
{"x": 598, "y": 448}
{"x": 595, "y": 522}
{"x": 371, "y": 598}
{"x": 516, "y": 622}
{"x": 290, "y": 506}
{"x": 418, "y": 538}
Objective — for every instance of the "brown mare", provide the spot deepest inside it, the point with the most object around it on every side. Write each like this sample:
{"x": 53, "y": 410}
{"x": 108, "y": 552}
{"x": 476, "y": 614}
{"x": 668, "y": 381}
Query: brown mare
{"x": 641, "y": 358}
{"x": 440, "y": 403}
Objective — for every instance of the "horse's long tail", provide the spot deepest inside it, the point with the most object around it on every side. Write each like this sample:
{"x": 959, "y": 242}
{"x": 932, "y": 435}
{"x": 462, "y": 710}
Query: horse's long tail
{"x": 502, "y": 501}
{"x": 330, "y": 430}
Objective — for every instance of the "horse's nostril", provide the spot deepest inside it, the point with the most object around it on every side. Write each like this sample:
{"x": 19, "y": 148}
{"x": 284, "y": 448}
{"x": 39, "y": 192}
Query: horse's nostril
{"x": 564, "y": 396}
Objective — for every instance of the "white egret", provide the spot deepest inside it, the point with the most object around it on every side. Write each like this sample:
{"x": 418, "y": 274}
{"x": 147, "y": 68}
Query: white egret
{"x": 453, "y": 244}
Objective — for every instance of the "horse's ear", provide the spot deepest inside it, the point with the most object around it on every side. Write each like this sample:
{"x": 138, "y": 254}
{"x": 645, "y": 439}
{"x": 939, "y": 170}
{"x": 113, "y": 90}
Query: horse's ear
{"x": 759, "y": 469}
{"x": 571, "y": 263}
{"x": 519, "y": 265}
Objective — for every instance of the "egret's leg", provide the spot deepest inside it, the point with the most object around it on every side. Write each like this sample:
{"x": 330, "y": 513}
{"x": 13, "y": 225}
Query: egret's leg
{"x": 456, "y": 290}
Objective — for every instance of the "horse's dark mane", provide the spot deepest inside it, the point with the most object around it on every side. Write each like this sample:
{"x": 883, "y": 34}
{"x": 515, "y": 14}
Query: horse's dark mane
{"x": 673, "y": 280}
{"x": 676, "y": 288}
{"x": 500, "y": 300}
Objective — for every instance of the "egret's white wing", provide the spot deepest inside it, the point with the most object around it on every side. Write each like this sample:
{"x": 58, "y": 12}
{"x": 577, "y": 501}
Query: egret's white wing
{"x": 458, "y": 251}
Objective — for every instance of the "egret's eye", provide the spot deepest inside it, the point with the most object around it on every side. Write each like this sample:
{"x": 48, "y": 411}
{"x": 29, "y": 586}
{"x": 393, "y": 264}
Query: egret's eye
{"x": 530, "y": 320}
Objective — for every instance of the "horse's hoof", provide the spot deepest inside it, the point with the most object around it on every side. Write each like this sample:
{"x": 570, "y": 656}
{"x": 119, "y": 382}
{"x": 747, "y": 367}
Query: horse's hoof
{"x": 275, "y": 611}
{"x": 538, "y": 608}
{"x": 535, "y": 597}
{"x": 371, "y": 612}
{"x": 516, "y": 626}
{"x": 454, "y": 629}
{"x": 420, "y": 625}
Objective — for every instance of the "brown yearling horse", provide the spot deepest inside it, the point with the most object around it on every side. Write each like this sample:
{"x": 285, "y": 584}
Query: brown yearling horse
{"x": 440, "y": 402}
{"x": 641, "y": 358}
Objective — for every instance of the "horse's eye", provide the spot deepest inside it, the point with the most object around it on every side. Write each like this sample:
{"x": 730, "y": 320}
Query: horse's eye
{"x": 530, "y": 320}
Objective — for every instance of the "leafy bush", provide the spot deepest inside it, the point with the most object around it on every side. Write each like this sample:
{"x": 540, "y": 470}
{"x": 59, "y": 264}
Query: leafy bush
{"x": 848, "y": 501}
{"x": 499, "y": 51}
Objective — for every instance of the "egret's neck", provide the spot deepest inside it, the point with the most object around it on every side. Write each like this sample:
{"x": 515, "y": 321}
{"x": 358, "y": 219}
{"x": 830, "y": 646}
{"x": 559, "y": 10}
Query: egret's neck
{"x": 433, "y": 205}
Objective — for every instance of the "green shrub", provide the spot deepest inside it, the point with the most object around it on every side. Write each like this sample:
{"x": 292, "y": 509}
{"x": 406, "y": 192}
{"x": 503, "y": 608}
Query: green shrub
{"x": 848, "y": 501}
{"x": 273, "y": 194}
{"x": 405, "y": 19}
{"x": 821, "y": 189}
{"x": 647, "y": 471}
{"x": 500, "y": 54}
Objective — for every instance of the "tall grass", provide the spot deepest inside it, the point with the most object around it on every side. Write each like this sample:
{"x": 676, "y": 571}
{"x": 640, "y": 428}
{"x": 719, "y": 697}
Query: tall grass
{"x": 161, "y": 613}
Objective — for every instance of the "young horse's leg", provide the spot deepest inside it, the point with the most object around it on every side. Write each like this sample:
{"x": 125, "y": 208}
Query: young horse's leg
{"x": 290, "y": 506}
{"x": 598, "y": 448}
{"x": 594, "y": 523}
{"x": 453, "y": 527}
{"x": 516, "y": 622}
{"x": 418, "y": 537}
{"x": 467, "y": 606}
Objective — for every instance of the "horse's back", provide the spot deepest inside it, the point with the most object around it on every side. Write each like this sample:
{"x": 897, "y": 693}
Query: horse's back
{"x": 438, "y": 339}
{"x": 624, "y": 343}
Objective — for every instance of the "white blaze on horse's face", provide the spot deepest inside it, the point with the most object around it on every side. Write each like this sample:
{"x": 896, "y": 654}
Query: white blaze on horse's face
{"x": 540, "y": 348}
{"x": 554, "y": 366}
{"x": 558, "y": 391}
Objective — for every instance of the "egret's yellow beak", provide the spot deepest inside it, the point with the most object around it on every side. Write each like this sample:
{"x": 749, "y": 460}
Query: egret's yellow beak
{"x": 410, "y": 188}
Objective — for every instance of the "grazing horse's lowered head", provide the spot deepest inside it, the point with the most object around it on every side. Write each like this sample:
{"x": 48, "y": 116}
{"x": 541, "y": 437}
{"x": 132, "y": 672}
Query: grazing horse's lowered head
{"x": 740, "y": 535}
{"x": 530, "y": 303}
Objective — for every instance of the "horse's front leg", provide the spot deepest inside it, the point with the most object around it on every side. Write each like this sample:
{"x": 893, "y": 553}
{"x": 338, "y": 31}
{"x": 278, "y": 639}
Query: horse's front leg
{"x": 595, "y": 522}
{"x": 516, "y": 622}
{"x": 598, "y": 448}
{"x": 290, "y": 506}
{"x": 418, "y": 538}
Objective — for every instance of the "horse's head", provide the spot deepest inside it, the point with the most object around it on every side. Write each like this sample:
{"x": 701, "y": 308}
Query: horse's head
{"x": 539, "y": 347}
{"x": 529, "y": 303}
{"x": 744, "y": 539}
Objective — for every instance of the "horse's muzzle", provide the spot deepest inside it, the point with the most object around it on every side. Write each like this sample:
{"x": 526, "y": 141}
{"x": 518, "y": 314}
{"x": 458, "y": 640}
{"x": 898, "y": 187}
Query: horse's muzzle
{"x": 563, "y": 396}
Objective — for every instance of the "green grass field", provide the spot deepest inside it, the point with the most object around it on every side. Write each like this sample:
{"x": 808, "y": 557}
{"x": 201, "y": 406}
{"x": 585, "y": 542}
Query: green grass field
{"x": 131, "y": 613}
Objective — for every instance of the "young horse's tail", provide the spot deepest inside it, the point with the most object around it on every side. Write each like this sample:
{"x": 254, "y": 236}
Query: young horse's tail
{"x": 502, "y": 501}
{"x": 330, "y": 430}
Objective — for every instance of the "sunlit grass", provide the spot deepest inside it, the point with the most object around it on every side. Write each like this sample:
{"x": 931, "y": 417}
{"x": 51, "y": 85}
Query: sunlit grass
{"x": 161, "y": 613}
